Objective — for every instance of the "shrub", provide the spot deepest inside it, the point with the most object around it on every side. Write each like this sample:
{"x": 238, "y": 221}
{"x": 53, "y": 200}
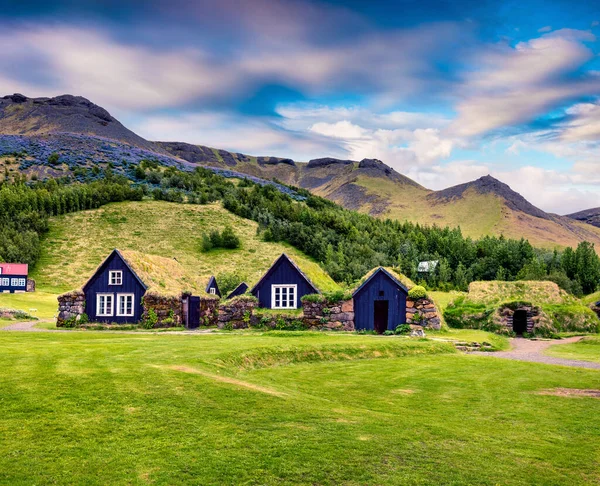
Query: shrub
{"x": 314, "y": 298}
{"x": 388, "y": 332}
{"x": 229, "y": 239}
{"x": 150, "y": 319}
{"x": 53, "y": 158}
{"x": 402, "y": 329}
{"x": 417, "y": 292}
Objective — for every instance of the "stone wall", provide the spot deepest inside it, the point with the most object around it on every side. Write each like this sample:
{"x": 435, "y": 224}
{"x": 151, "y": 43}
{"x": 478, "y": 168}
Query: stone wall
{"x": 236, "y": 313}
{"x": 70, "y": 305}
{"x": 168, "y": 309}
{"x": 422, "y": 312}
{"x": 325, "y": 315}
{"x": 30, "y": 285}
{"x": 209, "y": 311}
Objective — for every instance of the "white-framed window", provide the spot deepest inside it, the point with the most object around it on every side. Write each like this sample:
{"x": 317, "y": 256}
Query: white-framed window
{"x": 115, "y": 277}
{"x": 5, "y": 282}
{"x": 14, "y": 282}
{"x": 283, "y": 296}
{"x": 105, "y": 305}
{"x": 212, "y": 291}
{"x": 21, "y": 282}
{"x": 125, "y": 306}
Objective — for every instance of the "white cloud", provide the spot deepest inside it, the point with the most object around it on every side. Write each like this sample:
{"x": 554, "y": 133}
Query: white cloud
{"x": 515, "y": 85}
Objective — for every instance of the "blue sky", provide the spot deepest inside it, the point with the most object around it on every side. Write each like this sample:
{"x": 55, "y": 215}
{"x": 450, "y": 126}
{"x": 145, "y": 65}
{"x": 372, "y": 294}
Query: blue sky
{"x": 443, "y": 91}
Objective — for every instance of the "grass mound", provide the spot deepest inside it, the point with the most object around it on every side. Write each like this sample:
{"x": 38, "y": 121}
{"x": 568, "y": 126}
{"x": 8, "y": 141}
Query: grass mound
{"x": 273, "y": 356}
{"x": 558, "y": 311}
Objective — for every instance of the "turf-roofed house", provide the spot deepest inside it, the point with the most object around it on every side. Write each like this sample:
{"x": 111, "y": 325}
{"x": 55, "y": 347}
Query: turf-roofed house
{"x": 286, "y": 282}
{"x": 380, "y": 301}
{"x": 131, "y": 287}
{"x": 13, "y": 277}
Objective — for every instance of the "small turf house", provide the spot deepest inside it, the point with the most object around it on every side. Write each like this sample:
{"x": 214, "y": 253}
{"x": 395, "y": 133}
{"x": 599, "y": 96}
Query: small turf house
{"x": 380, "y": 301}
{"x": 241, "y": 289}
{"x": 13, "y": 277}
{"x": 212, "y": 287}
{"x": 114, "y": 293}
{"x": 283, "y": 285}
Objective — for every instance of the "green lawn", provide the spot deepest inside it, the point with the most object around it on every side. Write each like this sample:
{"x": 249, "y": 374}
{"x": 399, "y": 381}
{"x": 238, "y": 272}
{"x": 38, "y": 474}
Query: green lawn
{"x": 45, "y": 303}
{"x": 587, "y": 349}
{"x": 500, "y": 343}
{"x": 285, "y": 408}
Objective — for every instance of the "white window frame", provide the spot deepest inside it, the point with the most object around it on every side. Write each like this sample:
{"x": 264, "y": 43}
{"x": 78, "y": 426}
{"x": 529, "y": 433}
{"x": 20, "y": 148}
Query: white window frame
{"x": 287, "y": 287}
{"x": 112, "y": 305}
{"x": 118, "y": 306}
{"x": 22, "y": 282}
{"x": 212, "y": 291}
{"x": 5, "y": 282}
{"x": 14, "y": 282}
{"x": 118, "y": 274}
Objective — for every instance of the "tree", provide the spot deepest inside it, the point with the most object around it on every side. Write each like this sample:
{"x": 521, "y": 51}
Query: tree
{"x": 588, "y": 267}
{"x": 229, "y": 239}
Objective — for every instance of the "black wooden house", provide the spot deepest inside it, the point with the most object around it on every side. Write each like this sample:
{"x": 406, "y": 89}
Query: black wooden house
{"x": 283, "y": 285}
{"x": 13, "y": 277}
{"x": 380, "y": 301}
{"x": 114, "y": 293}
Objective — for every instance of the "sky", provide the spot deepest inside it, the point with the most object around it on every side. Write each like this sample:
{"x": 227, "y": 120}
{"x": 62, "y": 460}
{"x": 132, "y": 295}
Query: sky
{"x": 442, "y": 91}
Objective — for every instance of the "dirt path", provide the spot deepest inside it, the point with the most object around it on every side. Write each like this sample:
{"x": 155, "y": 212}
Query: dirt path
{"x": 23, "y": 326}
{"x": 528, "y": 350}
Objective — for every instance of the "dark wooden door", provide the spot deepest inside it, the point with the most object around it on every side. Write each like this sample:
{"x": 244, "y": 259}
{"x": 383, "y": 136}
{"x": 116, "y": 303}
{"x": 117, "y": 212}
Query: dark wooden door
{"x": 380, "y": 320}
{"x": 193, "y": 312}
{"x": 520, "y": 322}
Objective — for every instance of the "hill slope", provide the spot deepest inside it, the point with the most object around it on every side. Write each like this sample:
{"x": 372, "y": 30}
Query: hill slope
{"x": 589, "y": 216}
{"x": 156, "y": 228}
{"x": 85, "y": 135}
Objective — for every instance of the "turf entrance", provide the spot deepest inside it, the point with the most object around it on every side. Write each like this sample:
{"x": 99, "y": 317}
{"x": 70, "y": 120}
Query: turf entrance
{"x": 520, "y": 322}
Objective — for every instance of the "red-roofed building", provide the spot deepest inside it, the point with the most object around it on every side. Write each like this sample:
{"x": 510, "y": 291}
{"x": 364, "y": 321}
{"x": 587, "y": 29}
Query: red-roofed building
{"x": 13, "y": 277}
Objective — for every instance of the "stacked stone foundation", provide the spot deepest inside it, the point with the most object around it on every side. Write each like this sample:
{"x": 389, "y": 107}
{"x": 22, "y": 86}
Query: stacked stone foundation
{"x": 168, "y": 309}
{"x": 71, "y": 306}
{"x": 423, "y": 313}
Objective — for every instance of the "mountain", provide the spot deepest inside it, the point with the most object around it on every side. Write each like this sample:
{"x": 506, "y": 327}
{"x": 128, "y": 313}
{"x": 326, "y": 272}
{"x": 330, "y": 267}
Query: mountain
{"x": 84, "y": 135}
{"x": 589, "y": 216}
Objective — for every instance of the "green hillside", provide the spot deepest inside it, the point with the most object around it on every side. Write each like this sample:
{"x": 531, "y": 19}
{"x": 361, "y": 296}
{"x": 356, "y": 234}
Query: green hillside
{"x": 77, "y": 243}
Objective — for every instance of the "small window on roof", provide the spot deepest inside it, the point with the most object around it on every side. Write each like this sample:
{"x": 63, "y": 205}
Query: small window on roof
{"x": 212, "y": 291}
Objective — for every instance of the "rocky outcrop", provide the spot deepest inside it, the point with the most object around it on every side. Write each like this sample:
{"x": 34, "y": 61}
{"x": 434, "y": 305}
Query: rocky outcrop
{"x": 422, "y": 312}
{"x": 325, "y": 161}
{"x": 274, "y": 161}
{"x": 71, "y": 306}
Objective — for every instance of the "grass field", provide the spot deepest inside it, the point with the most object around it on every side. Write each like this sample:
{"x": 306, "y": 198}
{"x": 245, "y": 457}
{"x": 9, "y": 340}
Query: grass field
{"x": 77, "y": 243}
{"x": 279, "y": 408}
{"x": 45, "y": 303}
{"x": 588, "y": 349}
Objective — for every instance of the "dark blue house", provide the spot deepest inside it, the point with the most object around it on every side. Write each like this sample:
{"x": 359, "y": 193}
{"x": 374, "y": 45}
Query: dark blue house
{"x": 380, "y": 301}
{"x": 241, "y": 289}
{"x": 13, "y": 277}
{"x": 115, "y": 291}
{"x": 283, "y": 285}
{"x": 213, "y": 288}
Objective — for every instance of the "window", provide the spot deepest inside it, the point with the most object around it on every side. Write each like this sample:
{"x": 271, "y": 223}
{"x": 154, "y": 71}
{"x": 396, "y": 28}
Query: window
{"x": 115, "y": 277}
{"x": 21, "y": 282}
{"x": 14, "y": 282}
{"x": 104, "y": 305}
{"x": 212, "y": 291}
{"x": 125, "y": 305}
{"x": 5, "y": 282}
{"x": 283, "y": 296}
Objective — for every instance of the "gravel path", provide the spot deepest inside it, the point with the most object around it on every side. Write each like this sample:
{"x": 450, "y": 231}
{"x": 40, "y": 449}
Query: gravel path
{"x": 528, "y": 350}
{"x": 25, "y": 326}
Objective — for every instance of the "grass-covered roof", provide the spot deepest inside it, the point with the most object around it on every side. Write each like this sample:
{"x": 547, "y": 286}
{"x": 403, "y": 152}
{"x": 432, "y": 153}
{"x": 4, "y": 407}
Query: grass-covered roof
{"x": 537, "y": 292}
{"x": 403, "y": 279}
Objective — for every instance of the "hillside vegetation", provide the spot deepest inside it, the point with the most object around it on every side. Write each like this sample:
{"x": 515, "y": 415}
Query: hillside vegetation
{"x": 76, "y": 243}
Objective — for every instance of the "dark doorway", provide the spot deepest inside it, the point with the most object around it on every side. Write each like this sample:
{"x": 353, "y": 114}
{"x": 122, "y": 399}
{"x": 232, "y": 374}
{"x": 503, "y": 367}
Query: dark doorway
{"x": 520, "y": 322}
{"x": 193, "y": 312}
{"x": 380, "y": 321}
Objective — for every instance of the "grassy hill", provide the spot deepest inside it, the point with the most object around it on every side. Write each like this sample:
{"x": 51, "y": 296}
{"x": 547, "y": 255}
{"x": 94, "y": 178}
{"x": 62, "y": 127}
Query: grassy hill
{"x": 78, "y": 242}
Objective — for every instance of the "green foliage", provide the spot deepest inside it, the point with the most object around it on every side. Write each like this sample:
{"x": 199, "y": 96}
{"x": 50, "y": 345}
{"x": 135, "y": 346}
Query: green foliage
{"x": 150, "y": 319}
{"x": 388, "y": 332}
{"x": 54, "y": 159}
{"x": 417, "y": 292}
{"x": 402, "y": 329}
{"x": 313, "y": 298}
{"x": 226, "y": 239}
{"x": 228, "y": 281}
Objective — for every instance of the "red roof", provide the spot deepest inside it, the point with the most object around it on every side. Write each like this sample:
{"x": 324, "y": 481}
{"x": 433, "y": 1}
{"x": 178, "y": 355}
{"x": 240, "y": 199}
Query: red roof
{"x": 14, "y": 268}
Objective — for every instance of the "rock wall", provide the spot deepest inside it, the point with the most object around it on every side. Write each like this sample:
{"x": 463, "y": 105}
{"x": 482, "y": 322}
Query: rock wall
{"x": 422, "y": 312}
{"x": 168, "y": 309}
{"x": 325, "y": 315}
{"x": 209, "y": 311}
{"x": 70, "y": 306}
{"x": 30, "y": 285}
{"x": 236, "y": 313}
{"x": 505, "y": 316}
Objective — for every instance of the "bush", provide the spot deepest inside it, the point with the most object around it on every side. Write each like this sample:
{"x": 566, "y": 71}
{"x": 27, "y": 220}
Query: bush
{"x": 388, "y": 332}
{"x": 150, "y": 320}
{"x": 402, "y": 329}
{"x": 53, "y": 158}
{"x": 314, "y": 298}
{"x": 227, "y": 239}
{"x": 417, "y": 292}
